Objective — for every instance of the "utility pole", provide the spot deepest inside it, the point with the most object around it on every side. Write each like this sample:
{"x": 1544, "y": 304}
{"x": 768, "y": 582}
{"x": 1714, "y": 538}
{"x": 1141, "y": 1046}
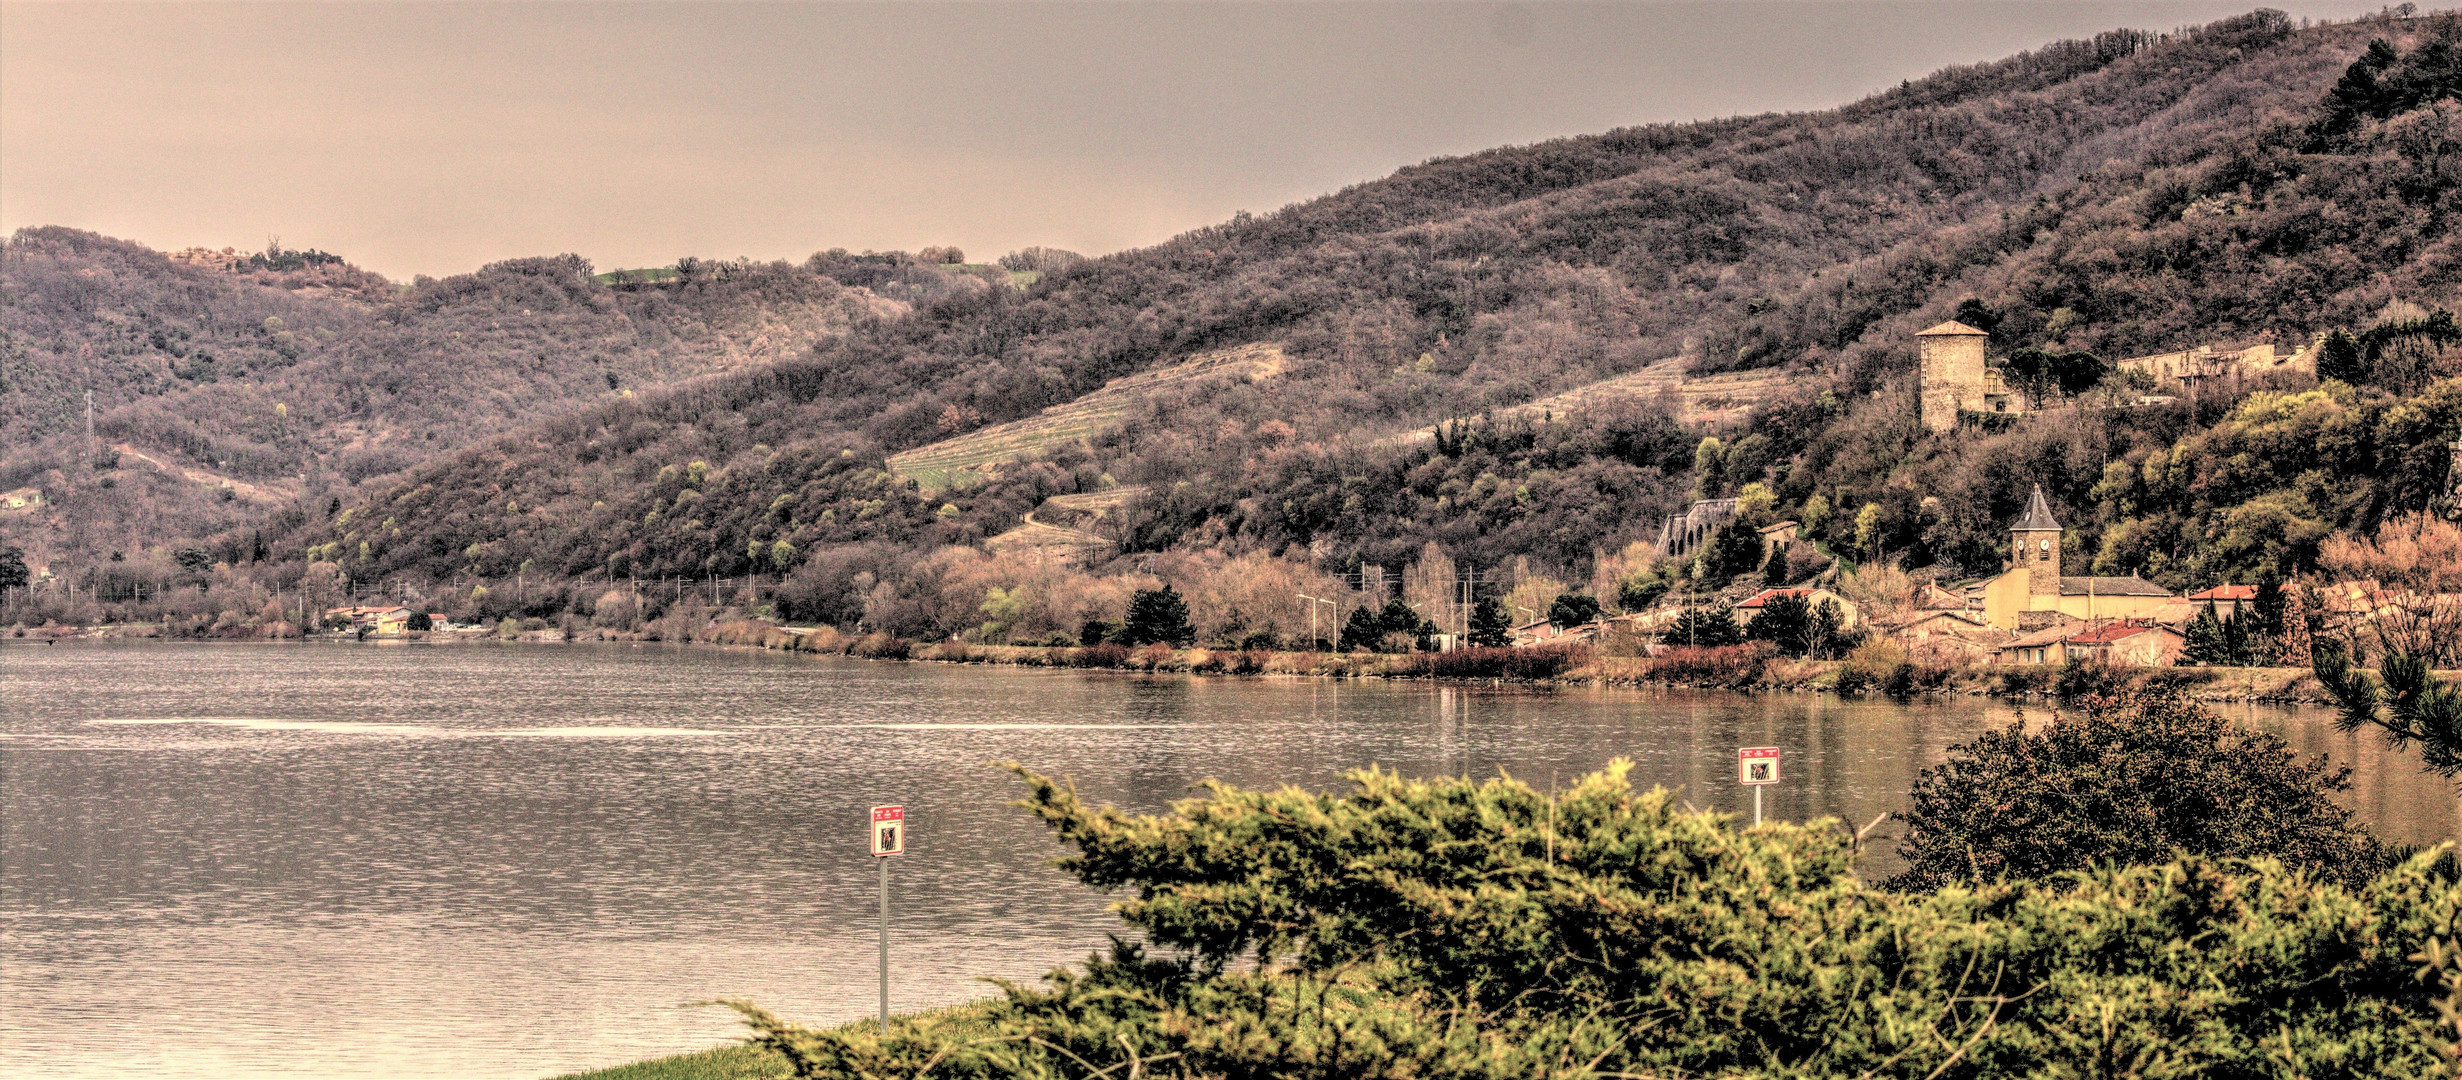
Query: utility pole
{"x": 1313, "y": 637}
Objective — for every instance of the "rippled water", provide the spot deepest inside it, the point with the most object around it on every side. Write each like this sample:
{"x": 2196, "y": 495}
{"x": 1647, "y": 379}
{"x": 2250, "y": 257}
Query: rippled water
{"x": 479, "y": 860}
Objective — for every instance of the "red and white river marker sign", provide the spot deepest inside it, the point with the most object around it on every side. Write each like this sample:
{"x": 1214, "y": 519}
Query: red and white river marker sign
{"x": 888, "y": 831}
{"x": 1756, "y": 765}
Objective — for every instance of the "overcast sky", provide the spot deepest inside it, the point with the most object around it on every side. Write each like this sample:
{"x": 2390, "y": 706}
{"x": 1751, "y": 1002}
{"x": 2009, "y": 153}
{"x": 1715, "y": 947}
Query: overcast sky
{"x": 415, "y": 138}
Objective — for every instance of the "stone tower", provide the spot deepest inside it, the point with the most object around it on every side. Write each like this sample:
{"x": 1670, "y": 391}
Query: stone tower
{"x": 2035, "y": 546}
{"x": 1950, "y": 375}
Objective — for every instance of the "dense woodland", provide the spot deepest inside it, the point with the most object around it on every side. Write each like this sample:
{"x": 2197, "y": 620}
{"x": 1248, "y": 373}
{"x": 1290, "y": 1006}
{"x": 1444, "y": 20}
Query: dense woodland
{"x": 2250, "y": 180}
{"x": 282, "y": 376}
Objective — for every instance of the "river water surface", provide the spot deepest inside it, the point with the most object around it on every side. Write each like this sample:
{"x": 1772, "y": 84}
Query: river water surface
{"x": 512, "y": 861}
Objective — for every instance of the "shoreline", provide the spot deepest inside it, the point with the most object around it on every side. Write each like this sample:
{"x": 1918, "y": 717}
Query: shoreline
{"x": 1740, "y": 669}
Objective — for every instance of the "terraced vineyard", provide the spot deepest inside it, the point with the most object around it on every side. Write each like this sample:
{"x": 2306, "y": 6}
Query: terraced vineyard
{"x": 1713, "y": 399}
{"x": 966, "y": 459}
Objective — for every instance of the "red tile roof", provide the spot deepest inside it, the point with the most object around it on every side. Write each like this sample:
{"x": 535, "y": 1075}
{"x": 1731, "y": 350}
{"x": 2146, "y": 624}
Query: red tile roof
{"x": 2227, "y": 592}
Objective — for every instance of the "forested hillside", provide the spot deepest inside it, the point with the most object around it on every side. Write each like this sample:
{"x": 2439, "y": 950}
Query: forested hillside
{"x": 2252, "y": 180}
{"x": 289, "y": 373}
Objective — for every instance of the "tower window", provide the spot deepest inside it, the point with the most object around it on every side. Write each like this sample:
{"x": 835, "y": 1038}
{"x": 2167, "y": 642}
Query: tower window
{"x": 2044, "y": 551}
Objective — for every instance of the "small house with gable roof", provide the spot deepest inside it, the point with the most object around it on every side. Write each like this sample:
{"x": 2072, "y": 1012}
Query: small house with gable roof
{"x": 1813, "y": 597}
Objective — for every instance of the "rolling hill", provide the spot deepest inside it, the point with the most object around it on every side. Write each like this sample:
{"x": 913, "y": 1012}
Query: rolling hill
{"x": 275, "y": 381}
{"x": 1604, "y": 302}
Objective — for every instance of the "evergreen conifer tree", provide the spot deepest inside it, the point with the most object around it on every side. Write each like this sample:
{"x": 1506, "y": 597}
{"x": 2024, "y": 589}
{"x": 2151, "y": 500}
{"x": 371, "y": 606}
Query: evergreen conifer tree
{"x": 2412, "y": 706}
{"x": 1736, "y": 549}
{"x": 2206, "y": 644}
{"x": 1490, "y": 627}
{"x": 1703, "y": 627}
{"x": 1399, "y": 617}
{"x": 2143, "y": 773}
{"x": 1156, "y": 615}
{"x": 2296, "y": 648}
{"x": 1573, "y": 609}
{"x": 2339, "y": 358}
{"x": 1363, "y": 631}
{"x": 1786, "y": 622}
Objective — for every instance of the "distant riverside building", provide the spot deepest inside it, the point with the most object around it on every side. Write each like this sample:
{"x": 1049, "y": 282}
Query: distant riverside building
{"x": 2033, "y": 589}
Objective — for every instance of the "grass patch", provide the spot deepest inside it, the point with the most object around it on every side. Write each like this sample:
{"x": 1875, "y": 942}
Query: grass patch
{"x": 730, "y": 1062}
{"x": 961, "y": 462}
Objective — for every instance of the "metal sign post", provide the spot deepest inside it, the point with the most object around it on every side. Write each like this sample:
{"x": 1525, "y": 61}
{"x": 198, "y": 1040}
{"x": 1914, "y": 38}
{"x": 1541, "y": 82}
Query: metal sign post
{"x": 888, "y": 838}
{"x": 1755, "y": 767}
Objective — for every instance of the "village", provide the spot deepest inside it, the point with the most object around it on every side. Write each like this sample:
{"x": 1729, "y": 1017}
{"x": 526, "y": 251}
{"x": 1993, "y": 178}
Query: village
{"x": 2031, "y": 614}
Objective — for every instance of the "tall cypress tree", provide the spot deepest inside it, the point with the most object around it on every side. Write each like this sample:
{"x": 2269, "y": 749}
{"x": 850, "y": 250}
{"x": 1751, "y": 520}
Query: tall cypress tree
{"x": 2206, "y": 644}
{"x": 2296, "y": 648}
{"x": 2237, "y": 648}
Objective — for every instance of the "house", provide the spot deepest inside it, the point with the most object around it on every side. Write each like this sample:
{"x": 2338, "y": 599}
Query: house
{"x": 1749, "y": 610}
{"x": 2228, "y": 600}
{"x": 1918, "y": 625}
{"x": 1958, "y": 635}
{"x": 1929, "y": 596}
{"x": 1775, "y": 538}
{"x": 2033, "y": 582}
{"x": 2177, "y": 614}
{"x": 2046, "y": 646}
{"x": 387, "y": 621}
{"x": 1976, "y": 646}
{"x": 2128, "y": 643}
{"x": 2204, "y": 364}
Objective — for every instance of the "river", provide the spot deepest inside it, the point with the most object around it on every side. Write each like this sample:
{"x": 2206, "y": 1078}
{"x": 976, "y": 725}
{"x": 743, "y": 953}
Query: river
{"x": 514, "y": 860}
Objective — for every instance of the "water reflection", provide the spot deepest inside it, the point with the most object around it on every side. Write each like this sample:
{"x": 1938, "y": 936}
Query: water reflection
{"x": 510, "y": 861}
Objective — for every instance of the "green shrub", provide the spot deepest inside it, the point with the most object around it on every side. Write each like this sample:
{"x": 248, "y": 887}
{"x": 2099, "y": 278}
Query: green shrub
{"x": 880, "y": 646}
{"x": 2134, "y": 777}
{"x": 1105, "y": 655}
{"x": 1527, "y": 662}
{"x": 1465, "y": 929}
{"x": 1727, "y": 665}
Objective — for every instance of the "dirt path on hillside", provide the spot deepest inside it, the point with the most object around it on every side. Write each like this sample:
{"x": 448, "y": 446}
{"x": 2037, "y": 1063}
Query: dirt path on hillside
{"x": 255, "y": 493}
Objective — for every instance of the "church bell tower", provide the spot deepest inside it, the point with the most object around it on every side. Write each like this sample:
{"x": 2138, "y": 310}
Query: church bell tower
{"x": 2035, "y": 546}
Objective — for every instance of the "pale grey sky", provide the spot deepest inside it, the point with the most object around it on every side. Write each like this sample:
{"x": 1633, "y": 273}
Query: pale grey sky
{"x": 431, "y": 138}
